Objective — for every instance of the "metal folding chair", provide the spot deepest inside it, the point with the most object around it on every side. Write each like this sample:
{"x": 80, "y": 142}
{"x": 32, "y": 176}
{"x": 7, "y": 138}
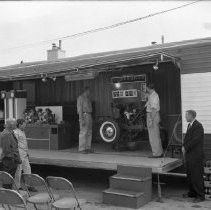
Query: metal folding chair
{"x": 43, "y": 195}
{"x": 7, "y": 179}
{"x": 64, "y": 202}
{"x": 11, "y": 198}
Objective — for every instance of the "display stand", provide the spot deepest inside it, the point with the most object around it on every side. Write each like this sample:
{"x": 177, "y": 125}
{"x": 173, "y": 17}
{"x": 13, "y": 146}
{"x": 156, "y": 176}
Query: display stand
{"x": 50, "y": 137}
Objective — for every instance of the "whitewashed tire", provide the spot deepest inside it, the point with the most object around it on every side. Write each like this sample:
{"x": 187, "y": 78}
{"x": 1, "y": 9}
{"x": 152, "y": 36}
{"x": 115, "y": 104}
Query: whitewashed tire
{"x": 109, "y": 131}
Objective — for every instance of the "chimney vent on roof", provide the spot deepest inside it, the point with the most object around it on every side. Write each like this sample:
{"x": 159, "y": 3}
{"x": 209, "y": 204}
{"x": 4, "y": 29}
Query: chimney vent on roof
{"x": 53, "y": 46}
{"x": 56, "y": 52}
{"x": 162, "y": 39}
{"x": 60, "y": 44}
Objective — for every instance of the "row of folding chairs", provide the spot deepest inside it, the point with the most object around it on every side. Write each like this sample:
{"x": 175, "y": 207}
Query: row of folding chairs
{"x": 48, "y": 192}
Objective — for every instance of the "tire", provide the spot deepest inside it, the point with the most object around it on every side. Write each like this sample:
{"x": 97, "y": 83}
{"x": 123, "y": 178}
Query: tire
{"x": 109, "y": 131}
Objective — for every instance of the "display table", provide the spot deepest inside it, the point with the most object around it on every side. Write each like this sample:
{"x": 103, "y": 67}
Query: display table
{"x": 50, "y": 137}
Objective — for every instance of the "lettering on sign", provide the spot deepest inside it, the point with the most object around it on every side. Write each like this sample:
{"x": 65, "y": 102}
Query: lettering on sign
{"x": 129, "y": 78}
{"x": 124, "y": 93}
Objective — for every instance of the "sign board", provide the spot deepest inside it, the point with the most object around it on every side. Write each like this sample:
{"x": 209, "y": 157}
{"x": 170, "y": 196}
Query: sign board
{"x": 57, "y": 110}
{"x": 128, "y": 88}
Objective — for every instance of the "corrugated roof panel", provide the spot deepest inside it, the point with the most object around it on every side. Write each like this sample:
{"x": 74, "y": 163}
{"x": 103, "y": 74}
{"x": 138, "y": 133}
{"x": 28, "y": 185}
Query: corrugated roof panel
{"x": 191, "y": 52}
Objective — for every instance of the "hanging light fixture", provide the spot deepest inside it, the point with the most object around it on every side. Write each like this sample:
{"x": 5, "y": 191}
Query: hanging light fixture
{"x": 155, "y": 66}
{"x": 161, "y": 57}
{"x": 117, "y": 85}
{"x": 3, "y": 94}
{"x": 44, "y": 77}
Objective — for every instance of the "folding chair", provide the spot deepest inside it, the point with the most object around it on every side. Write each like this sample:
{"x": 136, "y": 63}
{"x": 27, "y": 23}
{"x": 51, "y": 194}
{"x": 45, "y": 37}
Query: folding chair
{"x": 43, "y": 195}
{"x": 11, "y": 198}
{"x": 59, "y": 183}
{"x": 7, "y": 179}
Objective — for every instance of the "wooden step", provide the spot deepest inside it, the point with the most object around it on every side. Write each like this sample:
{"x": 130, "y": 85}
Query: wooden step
{"x": 132, "y": 183}
{"x": 130, "y": 177}
{"x": 124, "y": 198}
{"x": 134, "y": 171}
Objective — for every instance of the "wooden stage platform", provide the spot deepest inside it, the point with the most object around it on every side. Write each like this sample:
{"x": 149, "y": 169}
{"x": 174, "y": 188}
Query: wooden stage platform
{"x": 102, "y": 160}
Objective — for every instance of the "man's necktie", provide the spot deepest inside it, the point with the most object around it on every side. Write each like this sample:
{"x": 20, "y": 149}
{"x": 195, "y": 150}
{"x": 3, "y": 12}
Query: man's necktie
{"x": 189, "y": 125}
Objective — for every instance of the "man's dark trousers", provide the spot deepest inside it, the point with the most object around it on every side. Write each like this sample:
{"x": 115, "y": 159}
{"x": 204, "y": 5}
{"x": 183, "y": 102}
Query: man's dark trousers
{"x": 193, "y": 144}
{"x": 10, "y": 166}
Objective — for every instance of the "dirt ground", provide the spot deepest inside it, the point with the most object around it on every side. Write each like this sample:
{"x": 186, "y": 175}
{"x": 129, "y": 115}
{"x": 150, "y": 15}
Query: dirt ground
{"x": 89, "y": 185}
{"x": 90, "y": 197}
{"x": 172, "y": 199}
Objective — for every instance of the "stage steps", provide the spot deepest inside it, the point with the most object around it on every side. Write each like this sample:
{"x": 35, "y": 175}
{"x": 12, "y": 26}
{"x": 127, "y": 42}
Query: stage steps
{"x": 131, "y": 187}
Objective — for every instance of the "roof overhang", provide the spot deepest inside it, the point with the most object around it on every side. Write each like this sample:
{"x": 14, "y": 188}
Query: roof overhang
{"x": 70, "y": 66}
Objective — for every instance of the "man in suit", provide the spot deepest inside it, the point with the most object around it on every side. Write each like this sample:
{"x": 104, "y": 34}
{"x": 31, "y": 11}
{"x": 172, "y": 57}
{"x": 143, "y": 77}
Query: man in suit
{"x": 10, "y": 154}
{"x": 193, "y": 154}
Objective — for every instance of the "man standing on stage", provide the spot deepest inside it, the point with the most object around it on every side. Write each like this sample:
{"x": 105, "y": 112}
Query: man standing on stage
{"x": 193, "y": 155}
{"x": 10, "y": 153}
{"x": 153, "y": 120}
{"x": 84, "y": 108}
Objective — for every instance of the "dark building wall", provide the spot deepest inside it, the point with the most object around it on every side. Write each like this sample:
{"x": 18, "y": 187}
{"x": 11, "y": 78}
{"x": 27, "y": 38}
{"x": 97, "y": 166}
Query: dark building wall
{"x": 166, "y": 79}
{"x": 5, "y": 86}
{"x": 60, "y": 92}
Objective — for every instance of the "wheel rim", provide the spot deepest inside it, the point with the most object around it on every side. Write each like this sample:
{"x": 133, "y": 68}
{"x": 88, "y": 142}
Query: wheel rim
{"x": 108, "y": 132}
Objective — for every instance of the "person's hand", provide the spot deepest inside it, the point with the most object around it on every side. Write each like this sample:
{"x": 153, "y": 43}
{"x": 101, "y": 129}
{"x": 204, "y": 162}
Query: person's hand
{"x": 183, "y": 150}
{"x": 18, "y": 161}
{"x": 82, "y": 121}
{"x": 150, "y": 123}
{"x": 143, "y": 92}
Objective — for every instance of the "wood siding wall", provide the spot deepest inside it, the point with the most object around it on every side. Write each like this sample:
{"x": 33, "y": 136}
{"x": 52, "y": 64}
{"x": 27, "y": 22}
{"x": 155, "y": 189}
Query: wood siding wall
{"x": 62, "y": 92}
{"x": 196, "y": 87}
{"x": 207, "y": 146}
{"x": 196, "y": 94}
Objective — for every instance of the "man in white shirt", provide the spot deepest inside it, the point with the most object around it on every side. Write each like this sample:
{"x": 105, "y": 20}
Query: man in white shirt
{"x": 23, "y": 152}
{"x": 84, "y": 109}
{"x": 153, "y": 120}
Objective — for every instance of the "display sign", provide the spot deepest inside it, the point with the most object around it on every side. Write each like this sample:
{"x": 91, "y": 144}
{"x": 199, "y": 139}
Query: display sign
{"x": 124, "y": 93}
{"x": 57, "y": 110}
{"x": 128, "y": 88}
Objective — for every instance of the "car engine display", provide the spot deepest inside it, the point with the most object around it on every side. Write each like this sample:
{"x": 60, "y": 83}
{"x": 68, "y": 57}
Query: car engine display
{"x": 128, "y": 121}
{"x": 127, "y": 126}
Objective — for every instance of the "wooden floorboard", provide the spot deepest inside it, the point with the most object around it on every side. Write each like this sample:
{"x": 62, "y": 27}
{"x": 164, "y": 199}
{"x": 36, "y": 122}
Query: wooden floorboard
{"x": 106, "y": 161}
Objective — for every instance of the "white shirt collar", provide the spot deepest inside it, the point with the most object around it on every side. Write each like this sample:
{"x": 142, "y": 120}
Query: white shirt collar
{"x": 152, "y": 93}
{"x": 192, "y": 122}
